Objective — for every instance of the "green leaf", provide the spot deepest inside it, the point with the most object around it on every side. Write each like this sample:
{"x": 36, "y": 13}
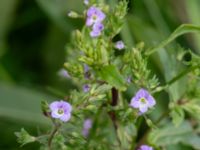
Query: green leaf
{"x": 22, "y": 104}
{"x": 192, "y": 8}
{"x": 24, "y": 137}
{"x": 193, "y": 140}
{"x": 111, "y": 75}
{"x": 193, "y": 107}
{"x": 183, "y": 29}
{"x": 169, "y": 135}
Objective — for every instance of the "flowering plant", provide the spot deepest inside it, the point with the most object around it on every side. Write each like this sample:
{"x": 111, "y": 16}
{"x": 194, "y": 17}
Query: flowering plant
{"x": 98, "y": 114}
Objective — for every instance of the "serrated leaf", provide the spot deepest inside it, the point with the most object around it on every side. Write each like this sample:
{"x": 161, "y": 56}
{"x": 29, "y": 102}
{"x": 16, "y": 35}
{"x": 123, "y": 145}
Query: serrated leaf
{"x": 193, "y": 108}
{"x": 24, "y": 137}
{"x": 111, "y": 75}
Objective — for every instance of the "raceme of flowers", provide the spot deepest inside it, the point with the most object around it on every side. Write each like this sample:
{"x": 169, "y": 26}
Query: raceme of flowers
{"x": 142, "y": 101}
{"x": 95, "y": 18}
{"x": 61, "y": 110}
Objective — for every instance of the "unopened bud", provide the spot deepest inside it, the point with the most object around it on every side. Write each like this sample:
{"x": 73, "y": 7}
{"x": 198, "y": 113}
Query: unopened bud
{"x": 73, "y": 14}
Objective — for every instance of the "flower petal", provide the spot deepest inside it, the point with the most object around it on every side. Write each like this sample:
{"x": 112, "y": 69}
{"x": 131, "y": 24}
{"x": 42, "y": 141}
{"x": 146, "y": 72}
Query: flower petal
{"x": 143, "y": 108}
{"x": 65, "y": 117}
{"x": 151, "y": 101}
{"x": 135, "y": 103}
{"x": 55, "y": 114}
{"x": 54, "y": 105}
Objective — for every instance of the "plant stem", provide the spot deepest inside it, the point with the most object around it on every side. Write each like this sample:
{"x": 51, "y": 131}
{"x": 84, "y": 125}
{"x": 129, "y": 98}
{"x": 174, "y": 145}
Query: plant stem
{"x": 56, "y": 127}
{"x": 112, "y": 115}
{"x": 114, "y": 103}
{"x": 173, "y": 80}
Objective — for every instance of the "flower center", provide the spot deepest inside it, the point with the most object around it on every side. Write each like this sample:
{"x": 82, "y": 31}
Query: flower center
{"x": 94, "y": 17}
{"x": 60, "y": 111}
{"x": 143, "y": 100}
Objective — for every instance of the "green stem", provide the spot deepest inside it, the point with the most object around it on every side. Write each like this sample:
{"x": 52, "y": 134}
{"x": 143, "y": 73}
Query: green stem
{"x": 53, "y": 133}
{"x": 173, "y": 80}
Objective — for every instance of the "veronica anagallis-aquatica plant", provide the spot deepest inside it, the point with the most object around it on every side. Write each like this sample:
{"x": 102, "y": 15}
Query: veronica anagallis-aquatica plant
{"x": 97, "y": 114}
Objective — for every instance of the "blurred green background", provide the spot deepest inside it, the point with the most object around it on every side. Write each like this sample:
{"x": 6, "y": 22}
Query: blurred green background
{"x": 33, "y": 35}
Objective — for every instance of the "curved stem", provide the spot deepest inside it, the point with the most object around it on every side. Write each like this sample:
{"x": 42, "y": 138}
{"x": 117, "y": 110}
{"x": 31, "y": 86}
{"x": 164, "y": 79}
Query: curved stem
{"x": 173, "y": 80}
{"x": 53, "y": 133}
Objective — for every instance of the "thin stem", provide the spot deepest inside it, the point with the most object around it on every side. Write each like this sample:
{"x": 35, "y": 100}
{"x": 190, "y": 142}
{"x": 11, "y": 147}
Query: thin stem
{"x": 173, "y": 80}
{"x": 114, "y": 102}
{"x": 114, "y": 97}
{"x": 53, "y": 133}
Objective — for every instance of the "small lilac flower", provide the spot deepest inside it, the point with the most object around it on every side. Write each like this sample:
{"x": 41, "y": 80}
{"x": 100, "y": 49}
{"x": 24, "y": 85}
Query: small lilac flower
{"x": 94, "y": 15}
{"x": 86, "y": 88}
{"x": 145, "y": 147}
{"x": 61, "y": 110}
{"x": 142, "y": 100}
{"x": 119, "y": 45}
{"x": 86, "y": 2}
{"x": 96, "y": 30}
{"x": 128, "y": 79}
{"x": 87, "y": 125}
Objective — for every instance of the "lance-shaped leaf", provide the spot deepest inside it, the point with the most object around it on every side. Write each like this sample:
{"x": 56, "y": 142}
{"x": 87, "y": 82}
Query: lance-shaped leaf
{"x": 183, "y": 29}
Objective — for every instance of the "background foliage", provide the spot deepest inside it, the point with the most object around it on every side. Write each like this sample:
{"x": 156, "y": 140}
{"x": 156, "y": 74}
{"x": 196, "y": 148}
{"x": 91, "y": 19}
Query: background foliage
{"x": 33, "y": 36}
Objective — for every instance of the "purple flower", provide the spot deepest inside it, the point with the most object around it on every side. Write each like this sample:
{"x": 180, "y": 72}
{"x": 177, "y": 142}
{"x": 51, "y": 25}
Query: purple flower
{"x": 142, "y": 100}
{"x": 96, "y": 30}
{"x": 87, "y": 125}
{"x": 145, "y": 147}
{"x": 86, "y": 2}
{"x": 86, "y": 87}
{"x": 94, "y": 15}
{"x": 61, "y": 110}
{"x": 119, "y": 45}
